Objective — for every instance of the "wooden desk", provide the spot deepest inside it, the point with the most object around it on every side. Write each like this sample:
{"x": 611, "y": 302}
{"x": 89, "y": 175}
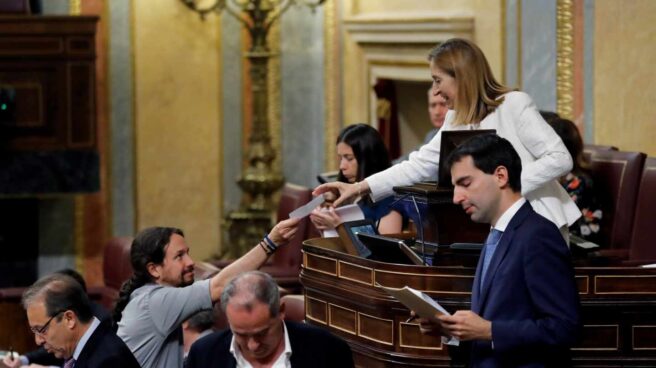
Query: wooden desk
{"x": 618, "y": 308}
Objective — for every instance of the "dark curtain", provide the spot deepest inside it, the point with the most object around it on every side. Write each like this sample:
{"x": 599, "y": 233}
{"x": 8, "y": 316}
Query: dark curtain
{"x": 387, "y": 115}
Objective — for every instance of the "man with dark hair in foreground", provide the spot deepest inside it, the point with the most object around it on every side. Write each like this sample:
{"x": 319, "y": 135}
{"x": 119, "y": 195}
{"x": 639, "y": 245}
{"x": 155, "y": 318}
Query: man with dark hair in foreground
{"x": 525, "y": 306}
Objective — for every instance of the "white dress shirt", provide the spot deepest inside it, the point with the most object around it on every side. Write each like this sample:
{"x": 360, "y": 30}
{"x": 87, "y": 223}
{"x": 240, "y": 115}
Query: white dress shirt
{"x": 283, "y": 360}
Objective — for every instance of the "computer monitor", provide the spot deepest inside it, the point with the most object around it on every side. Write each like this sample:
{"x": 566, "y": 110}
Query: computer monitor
{"x": 390, "y": 250}
{"x": 450, "y": 140}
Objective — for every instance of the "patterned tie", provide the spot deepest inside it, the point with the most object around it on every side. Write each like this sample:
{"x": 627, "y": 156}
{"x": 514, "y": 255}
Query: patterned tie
{"x": 490, "y": 246}
{"x": 70, "y": 363}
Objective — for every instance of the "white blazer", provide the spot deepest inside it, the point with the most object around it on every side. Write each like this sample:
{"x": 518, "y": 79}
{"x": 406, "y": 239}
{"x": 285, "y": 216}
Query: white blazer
{"x": 544, "y": 158}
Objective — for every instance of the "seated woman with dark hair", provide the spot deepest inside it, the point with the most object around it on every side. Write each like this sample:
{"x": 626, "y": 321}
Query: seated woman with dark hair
{"x": 361, "y": 152}
{"x": 578, "y": 182}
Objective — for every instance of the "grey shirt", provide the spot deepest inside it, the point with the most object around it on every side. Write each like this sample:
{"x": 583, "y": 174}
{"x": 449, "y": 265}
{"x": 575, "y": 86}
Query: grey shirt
{"x": 151, "y": 325}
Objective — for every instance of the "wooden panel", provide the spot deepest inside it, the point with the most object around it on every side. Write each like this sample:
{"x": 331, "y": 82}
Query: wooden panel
{"x": 321, "y": 264}
{"x": 625, "y": 284}
{"x": 50, "y": 64}
{"x": 411, "y": 337}
{"x": 316, "y": 310}
{"x": 81, "y": 120}
{"x": 435, "y": 283}
{"x": 376, "y": 329}
{"x": 644, "y": 337}
{"x": 599, "y": 337}
{"x": 13, "y": 322}
{"x": 343, "y": 319}
{"x": 583, "y": 284}
{"x": 20, "y": 46}
{"x": 80, "y": 46}
{"x": 356, "y": 273}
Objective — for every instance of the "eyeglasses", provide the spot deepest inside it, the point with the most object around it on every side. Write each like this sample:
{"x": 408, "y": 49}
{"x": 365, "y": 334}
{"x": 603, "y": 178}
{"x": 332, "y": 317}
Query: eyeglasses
{"x": 42, "y": 331}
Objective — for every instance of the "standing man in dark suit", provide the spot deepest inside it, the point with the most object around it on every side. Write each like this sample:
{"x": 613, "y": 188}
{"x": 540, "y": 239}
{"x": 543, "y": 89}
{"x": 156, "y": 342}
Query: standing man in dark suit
{"x": 525, "y": 306}
{"x": 259, "y": 336}
{"x": 60, "y": 316}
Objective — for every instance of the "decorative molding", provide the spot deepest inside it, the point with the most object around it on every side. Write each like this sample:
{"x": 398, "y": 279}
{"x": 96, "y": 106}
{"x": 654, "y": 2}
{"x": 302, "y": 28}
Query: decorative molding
{"x": 565, "y": 58}
{"x": 423, "y": 29}
{"x": 397, "y": 47}
{"x": 332, "y": 83}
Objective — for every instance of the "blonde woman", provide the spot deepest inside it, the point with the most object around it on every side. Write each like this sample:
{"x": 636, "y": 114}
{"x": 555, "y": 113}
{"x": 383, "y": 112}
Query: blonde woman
{"x": 462, "y": 76}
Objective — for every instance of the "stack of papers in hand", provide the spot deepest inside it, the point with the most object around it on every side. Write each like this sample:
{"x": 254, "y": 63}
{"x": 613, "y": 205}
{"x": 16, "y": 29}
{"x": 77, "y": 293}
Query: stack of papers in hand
{"x": 422, "y": 304}
{"x": 350, "y": 212}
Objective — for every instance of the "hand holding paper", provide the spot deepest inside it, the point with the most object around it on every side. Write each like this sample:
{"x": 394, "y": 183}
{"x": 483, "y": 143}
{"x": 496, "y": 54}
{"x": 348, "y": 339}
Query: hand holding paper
{"x": 307, "y": 208}
{"x": 423, "y": 305}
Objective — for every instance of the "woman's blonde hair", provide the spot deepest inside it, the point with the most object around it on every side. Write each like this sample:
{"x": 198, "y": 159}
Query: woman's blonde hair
{"x": 478, "y": 91}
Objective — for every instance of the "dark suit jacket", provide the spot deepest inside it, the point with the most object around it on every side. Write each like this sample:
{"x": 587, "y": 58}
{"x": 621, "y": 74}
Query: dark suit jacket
{"x": 106, "y": 350}
{"x": 42, "y": 357}
{"x": 311, "y": 347}
{"x": 530, "y": 296}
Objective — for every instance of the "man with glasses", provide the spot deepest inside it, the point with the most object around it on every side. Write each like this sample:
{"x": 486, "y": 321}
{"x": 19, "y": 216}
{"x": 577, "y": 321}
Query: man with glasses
{"x": 40, "y": 357}
{"x": 258, "y": 337}
{"x": 60, "y": 316}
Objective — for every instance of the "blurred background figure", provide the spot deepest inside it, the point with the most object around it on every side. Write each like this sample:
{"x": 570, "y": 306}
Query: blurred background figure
{"x": 578, "y": 182}
{"x": 437, "y": 110}
{"x": 199, "y": 325}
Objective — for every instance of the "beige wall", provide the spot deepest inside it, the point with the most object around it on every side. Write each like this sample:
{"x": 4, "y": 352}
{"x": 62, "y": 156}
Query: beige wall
{"x": 487, "y": 16}
{"x": 624, "y": 74}
{"x": 177, "y": 122}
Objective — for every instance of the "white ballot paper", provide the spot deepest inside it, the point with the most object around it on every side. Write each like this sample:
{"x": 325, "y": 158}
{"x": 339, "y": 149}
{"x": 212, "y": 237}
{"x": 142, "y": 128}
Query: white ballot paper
{"x": 425, "y": 306}
{"x": 350, "y": 212}
{"x": 305, "y": 209}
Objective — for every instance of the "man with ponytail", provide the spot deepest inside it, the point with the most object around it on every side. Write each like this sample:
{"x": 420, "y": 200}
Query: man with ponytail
{"x": 161, "y": 294}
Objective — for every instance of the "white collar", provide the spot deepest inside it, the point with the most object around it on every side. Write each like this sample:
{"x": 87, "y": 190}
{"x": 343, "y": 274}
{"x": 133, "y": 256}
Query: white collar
{"x": 281, "y": 361}
{"x": 87, "y": 334}
{"x": 504, "y": 220}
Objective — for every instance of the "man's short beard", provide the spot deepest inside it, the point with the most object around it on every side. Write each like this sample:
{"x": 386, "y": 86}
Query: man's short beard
{"x": 183, "y": 282}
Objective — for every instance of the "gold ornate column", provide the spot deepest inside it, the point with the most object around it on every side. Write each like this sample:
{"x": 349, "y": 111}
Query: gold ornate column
{"x": 262, "y": 176}
{"x": 332, "y": 83}
{"x": 565, "y": 58}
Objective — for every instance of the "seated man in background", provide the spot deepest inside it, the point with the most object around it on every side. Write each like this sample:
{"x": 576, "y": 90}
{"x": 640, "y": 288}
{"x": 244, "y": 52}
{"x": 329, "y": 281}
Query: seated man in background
{"x": 60, "y": 316}
{"x": 259, "y": 336}
{"x": 161, "y": 293}
{"x": 40, "y": 357}
{"x": 525, "y": 304}
{"x": 199, "y": 325}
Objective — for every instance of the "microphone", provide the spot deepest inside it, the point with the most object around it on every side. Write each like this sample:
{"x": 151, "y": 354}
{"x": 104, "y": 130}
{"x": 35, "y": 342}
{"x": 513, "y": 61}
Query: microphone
{"x": 420, "y": 228}
{"x": 389, "y": 206}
